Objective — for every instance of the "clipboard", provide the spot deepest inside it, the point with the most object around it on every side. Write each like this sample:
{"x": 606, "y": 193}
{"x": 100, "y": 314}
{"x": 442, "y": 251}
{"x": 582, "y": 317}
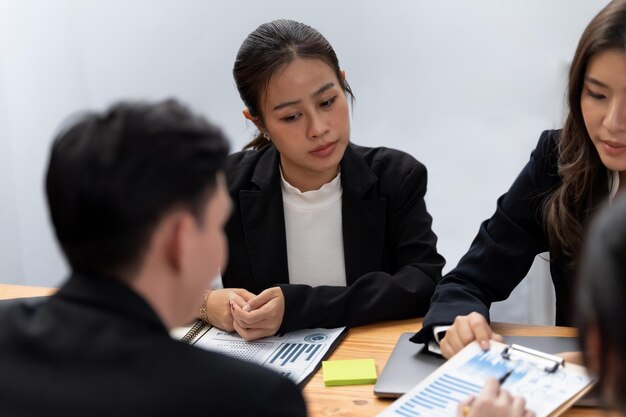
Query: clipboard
{"x": 551, "y": 364}
{"x": 548, "y": 384}
{"x": 409, "y": 363}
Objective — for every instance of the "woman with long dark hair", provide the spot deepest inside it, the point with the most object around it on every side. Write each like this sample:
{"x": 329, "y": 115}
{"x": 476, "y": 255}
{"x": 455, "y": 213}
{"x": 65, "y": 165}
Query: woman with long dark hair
{"x": 570, "y": 173}
{"x": 600, "y": 315}
{"x": 324, "y": 233}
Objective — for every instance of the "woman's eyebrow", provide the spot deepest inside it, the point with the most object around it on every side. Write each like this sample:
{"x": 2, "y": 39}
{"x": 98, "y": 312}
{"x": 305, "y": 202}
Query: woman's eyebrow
{"x": 319, "y": 91}
{"x": 592, "y": 80}
{"x": 322, "y": 89}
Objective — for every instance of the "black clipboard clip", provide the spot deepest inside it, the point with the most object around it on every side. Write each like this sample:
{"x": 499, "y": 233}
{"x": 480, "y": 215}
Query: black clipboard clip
{"x": 550, "y": 363}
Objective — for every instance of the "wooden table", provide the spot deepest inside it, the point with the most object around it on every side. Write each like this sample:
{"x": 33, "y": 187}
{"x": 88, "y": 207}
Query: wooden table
{"x": 20, "y": 291}
{"x": 377, "y": 341}
{"x": 373, "y": 341}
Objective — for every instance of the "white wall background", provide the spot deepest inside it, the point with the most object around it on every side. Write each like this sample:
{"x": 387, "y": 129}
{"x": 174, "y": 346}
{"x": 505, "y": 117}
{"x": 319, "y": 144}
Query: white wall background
{"x": 466, "y": 87}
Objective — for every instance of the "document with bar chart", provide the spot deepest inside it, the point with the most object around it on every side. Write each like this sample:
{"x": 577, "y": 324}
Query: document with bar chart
{"x": 548, "y": 384}
{"x": 295, "y": 355}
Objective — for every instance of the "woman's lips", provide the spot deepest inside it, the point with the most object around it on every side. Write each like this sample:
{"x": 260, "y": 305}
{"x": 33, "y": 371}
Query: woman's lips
{"x": 612, "y": 147}
{"x": 324, "y": 150}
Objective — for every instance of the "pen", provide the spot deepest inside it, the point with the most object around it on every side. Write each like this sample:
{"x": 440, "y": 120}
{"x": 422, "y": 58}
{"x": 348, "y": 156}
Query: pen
{"x": 468, "y": 407}
{"x": 505, "y": 376}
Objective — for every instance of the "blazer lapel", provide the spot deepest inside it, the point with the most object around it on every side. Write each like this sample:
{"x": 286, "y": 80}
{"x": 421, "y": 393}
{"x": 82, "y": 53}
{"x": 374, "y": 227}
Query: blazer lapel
{"x": 363, "y": 220}
{"x": 264, "y": 224}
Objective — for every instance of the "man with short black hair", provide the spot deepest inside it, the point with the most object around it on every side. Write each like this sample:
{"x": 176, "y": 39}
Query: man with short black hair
{"x": 138, "y": 201}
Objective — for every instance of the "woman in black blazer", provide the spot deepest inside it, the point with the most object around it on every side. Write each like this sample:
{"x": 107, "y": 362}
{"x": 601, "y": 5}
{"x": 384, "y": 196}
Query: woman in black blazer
{"x": 570, "y": 173}
{"x": 356, "y": 245}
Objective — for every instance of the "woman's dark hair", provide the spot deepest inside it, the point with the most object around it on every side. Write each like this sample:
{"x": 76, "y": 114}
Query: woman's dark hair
{"x": 113, "y": 175}
{"x": 585, "y": 178}
{"x": 601, "y": 295}
{"x": 268, "y": 49}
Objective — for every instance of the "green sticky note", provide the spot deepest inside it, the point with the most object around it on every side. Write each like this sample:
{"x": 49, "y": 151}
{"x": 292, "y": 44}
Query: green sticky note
{"x": 349, "y": 372}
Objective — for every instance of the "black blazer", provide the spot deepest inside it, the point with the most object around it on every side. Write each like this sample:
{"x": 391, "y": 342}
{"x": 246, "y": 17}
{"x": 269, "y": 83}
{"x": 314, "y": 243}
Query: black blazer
{"x": 505, "y": 247}
{"x": 391, "y": 260}
{"x": 97, "y": 349}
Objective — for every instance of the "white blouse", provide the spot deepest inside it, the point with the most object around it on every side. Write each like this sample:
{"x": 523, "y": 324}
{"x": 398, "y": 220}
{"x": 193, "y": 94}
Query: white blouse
{"x": 314, "y": 234}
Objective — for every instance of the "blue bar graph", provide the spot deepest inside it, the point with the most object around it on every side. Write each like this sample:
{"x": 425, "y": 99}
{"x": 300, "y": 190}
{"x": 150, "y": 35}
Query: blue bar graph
{"x": 441, "y": 397}
{"x": 292, "y": 353}
{"x": 315, "y": 349}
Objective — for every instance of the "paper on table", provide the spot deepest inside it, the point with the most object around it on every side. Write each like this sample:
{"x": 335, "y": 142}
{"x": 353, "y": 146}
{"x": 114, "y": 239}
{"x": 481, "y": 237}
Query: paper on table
{"x": 295, "y": 355}
{"x": 465, "y": 374}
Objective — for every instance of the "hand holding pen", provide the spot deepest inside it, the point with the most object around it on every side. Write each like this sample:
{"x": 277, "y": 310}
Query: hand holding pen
{"x": 495, "y": 402}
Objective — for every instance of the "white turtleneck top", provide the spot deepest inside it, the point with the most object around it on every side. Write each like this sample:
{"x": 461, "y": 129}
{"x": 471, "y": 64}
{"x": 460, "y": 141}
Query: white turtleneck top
{"x": 314, "y": 234}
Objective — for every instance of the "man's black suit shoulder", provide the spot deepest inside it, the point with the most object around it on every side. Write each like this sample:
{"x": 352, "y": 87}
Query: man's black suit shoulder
{"x": 97, "y": 349}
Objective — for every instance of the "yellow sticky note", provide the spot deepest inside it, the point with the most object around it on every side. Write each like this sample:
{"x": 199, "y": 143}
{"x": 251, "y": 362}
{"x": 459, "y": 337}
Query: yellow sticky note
{"x": 349, "y": 372}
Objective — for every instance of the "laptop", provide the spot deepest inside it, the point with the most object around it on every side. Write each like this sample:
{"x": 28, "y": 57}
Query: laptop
{"x": 410, "y": 363}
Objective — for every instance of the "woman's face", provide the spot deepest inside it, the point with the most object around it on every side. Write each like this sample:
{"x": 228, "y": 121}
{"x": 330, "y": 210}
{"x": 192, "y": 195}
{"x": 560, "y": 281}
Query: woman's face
{"x": 603, "y": 104}
{"x": 305, "y": 112}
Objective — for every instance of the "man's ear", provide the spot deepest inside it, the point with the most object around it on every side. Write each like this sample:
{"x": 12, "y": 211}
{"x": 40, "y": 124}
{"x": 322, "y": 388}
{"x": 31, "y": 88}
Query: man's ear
{"x": 257, "y": 121}
{"x": 177, "y": 240}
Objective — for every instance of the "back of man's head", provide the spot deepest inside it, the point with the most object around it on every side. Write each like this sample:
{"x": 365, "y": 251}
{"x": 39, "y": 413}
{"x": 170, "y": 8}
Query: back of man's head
{"x": 113, "y": 175}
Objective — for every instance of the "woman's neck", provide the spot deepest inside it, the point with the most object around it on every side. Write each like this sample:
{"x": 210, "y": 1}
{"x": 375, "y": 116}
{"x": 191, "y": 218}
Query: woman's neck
{"x": 308, "y": 180}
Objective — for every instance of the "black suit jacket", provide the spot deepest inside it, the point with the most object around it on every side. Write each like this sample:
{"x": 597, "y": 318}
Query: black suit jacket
{"x": 390, "y": 253}
{"x": 97, "y": 349}
{"x": 505, "y": 247}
